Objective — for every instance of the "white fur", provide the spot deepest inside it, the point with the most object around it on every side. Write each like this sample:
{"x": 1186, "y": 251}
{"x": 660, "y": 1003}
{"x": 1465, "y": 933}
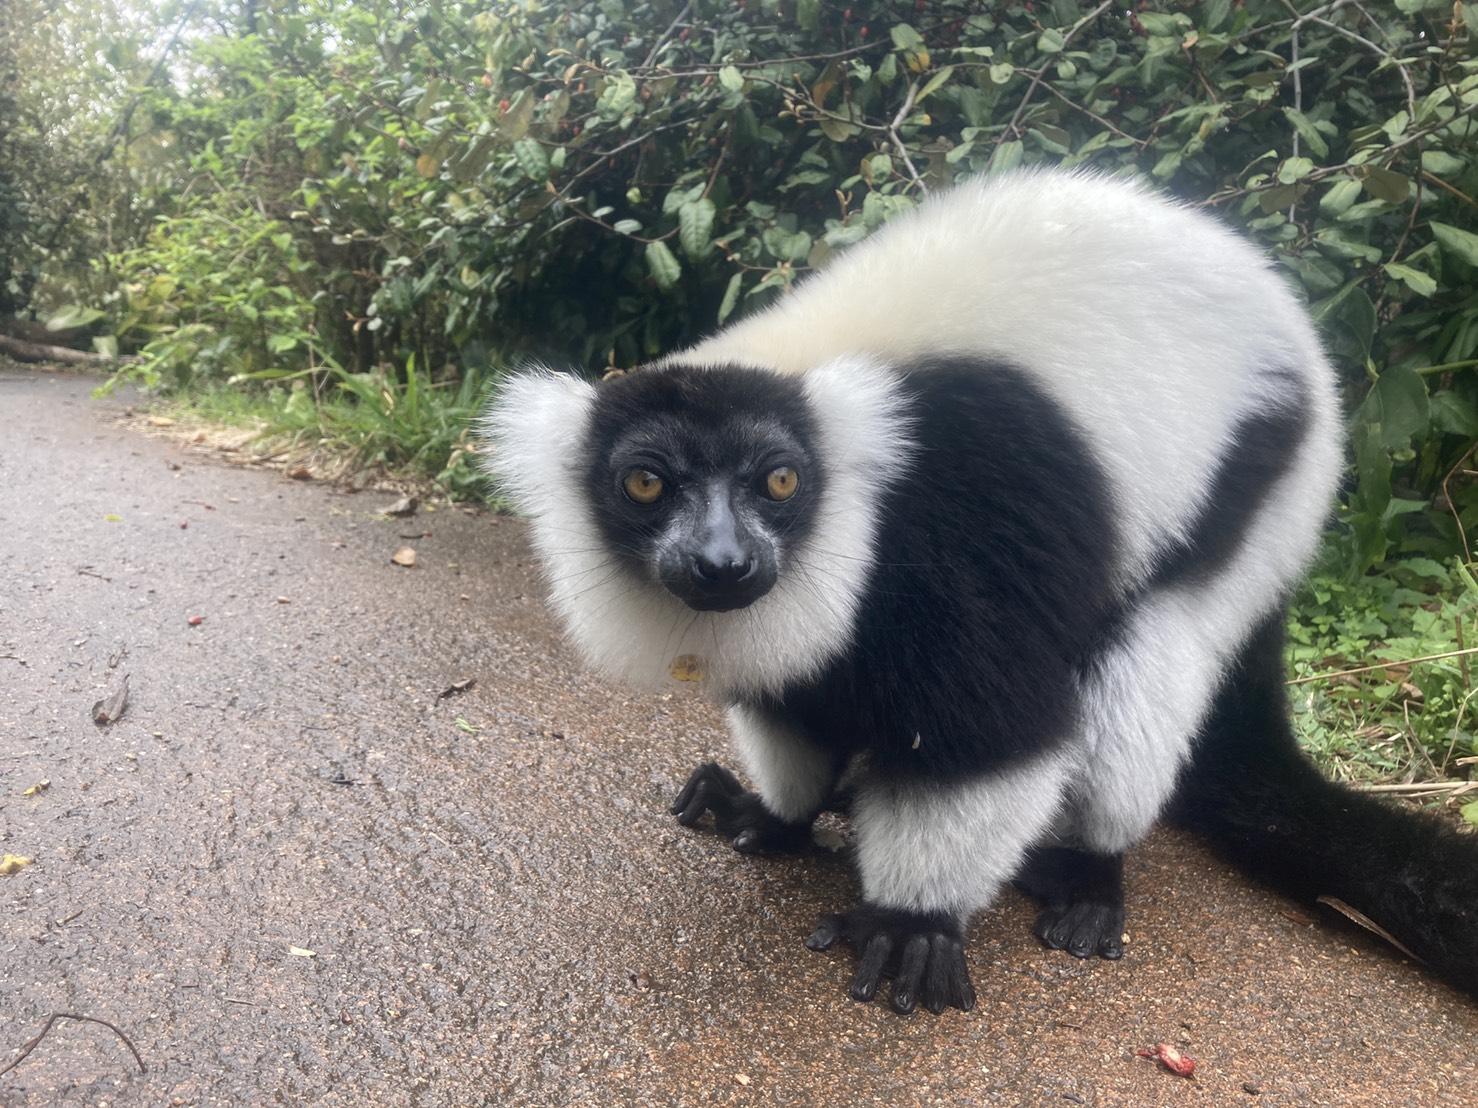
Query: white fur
{"x": 791, "y": 773}
{"x": 629, "y": 625}
{"x": 949, "y": 848}
{"x": 1149, "y": 322}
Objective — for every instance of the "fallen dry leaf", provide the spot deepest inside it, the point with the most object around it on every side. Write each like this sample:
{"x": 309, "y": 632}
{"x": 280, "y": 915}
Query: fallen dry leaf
{"x": 38, "y": 788}
{"x": 405, "y": 556}
{"x": 456, "y": 687}
{"x": 160, "y": 421}
{"x": 1182, "y": 1065}
{"x": 13, "y": 863}
{"x": 405, "y": 506}
{"x": 686, "y": 667}
{"x": 300, "y": 473}
{"x": 299, "y": 952}
{"x": 110, "y": 708}
{"x": 742, "y": 1078}
{"x": 1360, "y": 919}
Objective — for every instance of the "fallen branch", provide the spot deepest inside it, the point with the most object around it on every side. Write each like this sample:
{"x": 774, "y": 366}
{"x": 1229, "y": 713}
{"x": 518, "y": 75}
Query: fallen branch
{"x": 25, "y": 351}
{"x": 34, "y": 1043}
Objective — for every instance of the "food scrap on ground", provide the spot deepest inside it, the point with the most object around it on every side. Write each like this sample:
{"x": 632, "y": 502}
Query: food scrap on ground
{"x": 1182, "y": 1065}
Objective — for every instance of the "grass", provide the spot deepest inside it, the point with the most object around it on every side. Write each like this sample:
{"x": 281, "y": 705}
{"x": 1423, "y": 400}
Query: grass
{"x": 366, "y": 422}
{"x": 1397, "y": 719}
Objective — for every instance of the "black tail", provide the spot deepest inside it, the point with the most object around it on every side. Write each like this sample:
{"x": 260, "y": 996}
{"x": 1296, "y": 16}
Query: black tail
{"x": 1264, "y": 806}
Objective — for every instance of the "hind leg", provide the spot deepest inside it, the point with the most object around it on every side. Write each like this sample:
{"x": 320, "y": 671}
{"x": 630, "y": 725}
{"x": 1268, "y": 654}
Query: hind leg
{"x": 1082, "y": 898}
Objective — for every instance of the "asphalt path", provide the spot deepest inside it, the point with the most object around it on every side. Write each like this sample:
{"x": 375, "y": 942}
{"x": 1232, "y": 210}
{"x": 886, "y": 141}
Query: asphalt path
{"x": 295, "y": 872}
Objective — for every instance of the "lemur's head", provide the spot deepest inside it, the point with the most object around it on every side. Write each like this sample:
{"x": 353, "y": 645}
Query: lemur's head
{"x": 719, "y": 513}
{"x": 705, "y": 480}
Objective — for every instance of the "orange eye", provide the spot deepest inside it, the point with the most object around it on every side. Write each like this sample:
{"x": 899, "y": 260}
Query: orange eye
{"x": 782, "y": 483}
{"x": 643, "y": 486}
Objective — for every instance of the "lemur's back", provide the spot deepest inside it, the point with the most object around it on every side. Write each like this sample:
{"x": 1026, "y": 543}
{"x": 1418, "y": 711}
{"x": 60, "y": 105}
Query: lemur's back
{"x": 1155, "y": 328}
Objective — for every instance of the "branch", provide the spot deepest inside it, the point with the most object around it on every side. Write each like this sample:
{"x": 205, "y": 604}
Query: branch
{"x": 1037, "y": 80}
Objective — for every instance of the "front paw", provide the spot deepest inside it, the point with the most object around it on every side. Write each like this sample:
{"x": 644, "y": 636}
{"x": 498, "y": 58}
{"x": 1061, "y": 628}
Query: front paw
{"x": 924, "y": 953}
{"x": 737, "y": 813}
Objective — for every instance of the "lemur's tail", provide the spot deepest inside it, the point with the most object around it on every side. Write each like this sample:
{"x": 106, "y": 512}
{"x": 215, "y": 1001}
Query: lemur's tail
{"x": 1262, "y": 804}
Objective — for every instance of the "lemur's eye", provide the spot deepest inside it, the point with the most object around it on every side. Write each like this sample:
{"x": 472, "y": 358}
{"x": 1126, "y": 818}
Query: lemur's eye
{"x": 782, "y": 483}
{"x": 643, "y": 486}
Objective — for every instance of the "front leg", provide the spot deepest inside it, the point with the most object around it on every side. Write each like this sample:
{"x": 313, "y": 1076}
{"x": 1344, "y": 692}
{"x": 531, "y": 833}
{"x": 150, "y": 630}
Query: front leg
{"x": 931, "y": 853}
{"x": 795, "y": 779}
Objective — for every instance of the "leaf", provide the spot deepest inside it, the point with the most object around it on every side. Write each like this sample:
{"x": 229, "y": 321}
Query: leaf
{"x": 427, "y": 165}
{"x": 663, "y": 265}
{"x": 1422, "y": 284}
{"x": 404, "y": 556}
{"x": 1454, "y": 415}
{"x": 1397, "y": 405}
{"x": 906, "y": 38}
{"x": 403, "y": 508}
{"x": 1050, "y": 41}
{"x": 301, "y": 952}
{"x": 111, "y": 707}
{"x": 73, "y": 315}
{"x": 531, "y": 158}
{"x": 1470, "y": 810}
{"x": 695, "y": 227}
{"x": 731, "y": 296}
{"x": 731, "y": 79}
{"x": 1386, "y": 184}
{"x": 627, "y": 226}
{"x": 13, "y": 863}
{"x": 1307, "y": 131}
{"x": 514, "y": 123}
{"x": 38, "y": 788}
{"x": 1456, "y": 241}
{"x": 107, "y": 345}
{"x": 936, "y": 82}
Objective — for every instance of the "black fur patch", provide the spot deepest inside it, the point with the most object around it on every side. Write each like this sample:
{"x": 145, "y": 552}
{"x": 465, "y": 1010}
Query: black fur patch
{"x": 1262, "y": 451}
{"x": 994, "y": 576}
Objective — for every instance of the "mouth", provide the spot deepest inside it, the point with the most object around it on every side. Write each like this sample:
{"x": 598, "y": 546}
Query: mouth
{"x": 701, "y": 599}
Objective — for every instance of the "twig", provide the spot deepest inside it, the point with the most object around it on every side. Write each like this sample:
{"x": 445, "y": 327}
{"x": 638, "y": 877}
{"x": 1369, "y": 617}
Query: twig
{"x": 34, "y": 1043}
{"x": 1421, "y": 788}
{"x": 908, "y": 102}
{"x": 1433, "y": 179}
{"x": 1036, "y": 80}
{"x": 1382, "y": 665}
{"x": 667, "y": 34}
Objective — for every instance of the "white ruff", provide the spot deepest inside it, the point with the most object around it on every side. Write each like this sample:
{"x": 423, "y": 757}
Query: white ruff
{"x": 632, "y": 628}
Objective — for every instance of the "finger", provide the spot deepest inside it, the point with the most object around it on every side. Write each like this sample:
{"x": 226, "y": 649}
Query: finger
{"x": 910, "y": 973}
{"x": 870, "y": 972}
{"x": 698, "y": 803}
{"x": 748, "y": 842}
{"x": 828, "y": 930}
{"x": 962, "y": 992}
{"x": 937, "y": 989}
{"x": 685, "y": 795}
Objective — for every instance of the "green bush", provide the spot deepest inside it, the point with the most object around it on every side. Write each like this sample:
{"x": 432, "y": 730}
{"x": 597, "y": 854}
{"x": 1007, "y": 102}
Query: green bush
{"x": 594, "y": 184}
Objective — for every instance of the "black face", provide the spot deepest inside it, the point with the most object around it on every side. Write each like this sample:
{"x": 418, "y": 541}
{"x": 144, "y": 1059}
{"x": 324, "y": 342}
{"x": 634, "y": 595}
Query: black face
{"x": 704, "y": 479}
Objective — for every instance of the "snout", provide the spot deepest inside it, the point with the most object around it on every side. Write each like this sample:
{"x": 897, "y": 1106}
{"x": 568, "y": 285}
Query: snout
{"x": 719, "y": 577}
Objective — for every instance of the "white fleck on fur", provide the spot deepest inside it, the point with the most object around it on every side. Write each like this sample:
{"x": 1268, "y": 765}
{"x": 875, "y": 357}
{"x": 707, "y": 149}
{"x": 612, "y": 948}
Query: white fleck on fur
{"x": 792, "y": 774}
{"x": 950, "y": 847}
{"x": 629, "y": 625}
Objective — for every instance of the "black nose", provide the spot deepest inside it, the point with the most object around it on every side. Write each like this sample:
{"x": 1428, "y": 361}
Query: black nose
{"x": 720, "y": 570}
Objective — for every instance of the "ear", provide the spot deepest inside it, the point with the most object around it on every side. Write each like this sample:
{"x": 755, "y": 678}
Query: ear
{"x": 533, "y": 431}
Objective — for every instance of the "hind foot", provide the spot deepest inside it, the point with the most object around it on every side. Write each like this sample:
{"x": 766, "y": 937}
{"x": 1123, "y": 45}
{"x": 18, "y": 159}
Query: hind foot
{"x": 1082, "y": 897}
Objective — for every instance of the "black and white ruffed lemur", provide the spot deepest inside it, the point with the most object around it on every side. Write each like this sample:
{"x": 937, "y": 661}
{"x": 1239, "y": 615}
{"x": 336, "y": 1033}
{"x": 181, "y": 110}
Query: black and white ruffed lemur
{"x": 993, "y": 520}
